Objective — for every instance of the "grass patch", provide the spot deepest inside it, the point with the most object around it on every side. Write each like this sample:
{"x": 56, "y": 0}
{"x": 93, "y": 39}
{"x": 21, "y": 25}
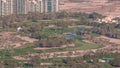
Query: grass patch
{"x": 79, "y": 45}
{"x": 27, "y": 49}
{"x": 58, "y": 30}
{"x": 84, "y": 46}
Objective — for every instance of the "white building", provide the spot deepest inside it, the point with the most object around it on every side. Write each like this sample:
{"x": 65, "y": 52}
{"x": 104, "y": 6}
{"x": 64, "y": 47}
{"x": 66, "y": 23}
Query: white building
{"x": 35, "y": 6}
{"x": 8, "y": 7}
{"x": 50, "y": 5}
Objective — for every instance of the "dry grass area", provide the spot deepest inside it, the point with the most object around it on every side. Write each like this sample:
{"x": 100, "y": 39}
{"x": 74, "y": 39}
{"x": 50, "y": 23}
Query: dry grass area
{"x": 105, "y": 7}
{"x": 12, "y": 40}
{"x": 112, "y": 40}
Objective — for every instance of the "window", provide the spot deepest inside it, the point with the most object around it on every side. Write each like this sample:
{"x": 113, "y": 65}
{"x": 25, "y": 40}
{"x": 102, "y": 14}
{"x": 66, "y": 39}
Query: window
{"x": 49, "y": 6}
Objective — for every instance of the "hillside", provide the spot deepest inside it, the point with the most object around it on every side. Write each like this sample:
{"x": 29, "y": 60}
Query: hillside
{"x": 105, "y": 7}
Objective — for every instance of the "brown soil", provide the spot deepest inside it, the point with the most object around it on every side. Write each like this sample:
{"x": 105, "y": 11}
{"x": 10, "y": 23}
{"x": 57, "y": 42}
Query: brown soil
{"x": 105, "y": 7}
{"x": 12, "y": 40}
{"x": 112, "y": 40}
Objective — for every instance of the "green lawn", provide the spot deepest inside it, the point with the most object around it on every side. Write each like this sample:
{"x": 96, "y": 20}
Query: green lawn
{"x": 79, "y": 45}
{"x": 29, "y": 48}
{"x": 84, "y": 46}
{"x": 26, "y": 49}
{"x": 58, "y": 30}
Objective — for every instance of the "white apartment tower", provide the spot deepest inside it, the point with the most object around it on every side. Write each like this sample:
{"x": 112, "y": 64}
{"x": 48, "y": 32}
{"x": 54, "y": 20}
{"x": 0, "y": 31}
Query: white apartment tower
{"x": 8, "y": 7}
{"x": 35, "y": 6}
{"x": 50, "y": 5}
{"x": 20, "y": 6}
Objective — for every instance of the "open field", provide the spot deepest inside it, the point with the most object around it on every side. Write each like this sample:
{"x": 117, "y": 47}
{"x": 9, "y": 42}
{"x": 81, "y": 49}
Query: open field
{"x": 79, "y": 45}
{"x": 50, "y": 41}
{"x": 105, "y": 7}
{"x": 29, "y": 48}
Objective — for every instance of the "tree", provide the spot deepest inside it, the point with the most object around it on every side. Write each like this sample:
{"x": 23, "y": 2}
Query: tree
{"x": 115, "y": 62}
{"x": 35, "y": 61}
{"x": 95, "y": 16}
{"x": 2, "y": 64}
{"x": 10, "y": 64}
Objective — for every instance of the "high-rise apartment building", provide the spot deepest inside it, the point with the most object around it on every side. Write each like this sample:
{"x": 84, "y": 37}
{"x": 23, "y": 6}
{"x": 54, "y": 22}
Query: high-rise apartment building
{"x": 50, "y": 5}
{"x": 35, "y": 6}
{"x": 8, "y": 7}
{"x": 20, "y": 6}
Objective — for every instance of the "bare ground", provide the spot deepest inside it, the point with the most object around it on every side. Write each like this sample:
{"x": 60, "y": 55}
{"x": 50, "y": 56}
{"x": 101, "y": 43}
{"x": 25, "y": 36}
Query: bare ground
{"x": 12, "y": 40}
{"x": 112, "y": 40}
{"x": 105, "y": 7}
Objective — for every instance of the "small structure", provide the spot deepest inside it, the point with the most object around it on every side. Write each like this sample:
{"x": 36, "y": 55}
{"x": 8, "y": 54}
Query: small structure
{"x": 90, "y": 61}
{"x": 51, "y": 26}
{"x": 80, "y": 32}
{"x": 70, "y": 35}
{"x": 101, "y": 60}
{"x": 19, "y": 29}
{"x": 107, "y": 59}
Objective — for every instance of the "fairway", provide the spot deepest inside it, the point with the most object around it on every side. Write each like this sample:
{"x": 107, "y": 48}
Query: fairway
{"x": 79, "y": 45}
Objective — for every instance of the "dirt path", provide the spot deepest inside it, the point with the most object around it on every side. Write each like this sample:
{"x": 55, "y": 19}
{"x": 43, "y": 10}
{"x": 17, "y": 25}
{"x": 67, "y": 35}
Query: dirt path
{"x": 82, "y": 26}
{"x": 28, "y": 39}
{"x": 112, "y": 40}
{"x": 60, "y": 54}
